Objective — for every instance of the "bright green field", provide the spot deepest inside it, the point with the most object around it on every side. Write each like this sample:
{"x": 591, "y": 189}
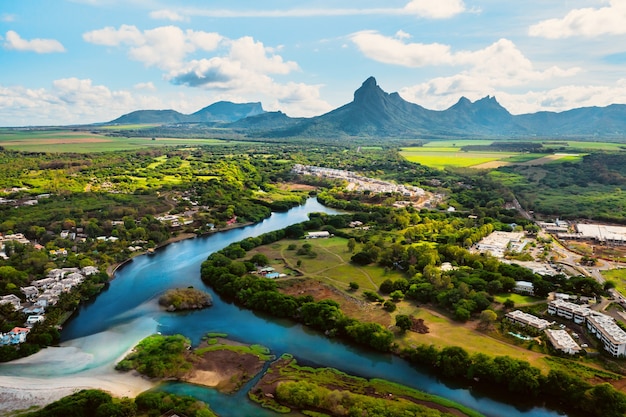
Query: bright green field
{"x": 447, "y": 153}
{"x": 443, "y": 158}
{"x": 618, "y": 276}
{"x": 518, "y": 299}
{"x": 85, "y": 142}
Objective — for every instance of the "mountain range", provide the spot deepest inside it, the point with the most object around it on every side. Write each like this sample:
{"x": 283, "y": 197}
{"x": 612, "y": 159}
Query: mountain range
{"x": 375, "y": 113}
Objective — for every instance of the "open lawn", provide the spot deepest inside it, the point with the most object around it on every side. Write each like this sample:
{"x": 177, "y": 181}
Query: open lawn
{"x": 448, "y": 154}
{"x": 331, "y": 265}
{"x": 443, "y": 332}
{"x": 63, "y": 141}
{"x": 618, "y": 276}
{"x": 518, "y": 299}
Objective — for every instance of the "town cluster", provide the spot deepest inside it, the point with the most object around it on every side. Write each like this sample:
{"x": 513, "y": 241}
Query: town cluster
{"x": 358, "y": 182}
{"x": 40, "y": 295}
{"x": 604, "y": 327}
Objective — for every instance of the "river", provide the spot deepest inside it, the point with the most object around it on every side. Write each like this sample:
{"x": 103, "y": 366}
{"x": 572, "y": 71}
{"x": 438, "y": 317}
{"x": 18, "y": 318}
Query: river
{"x": 103, "y": 330}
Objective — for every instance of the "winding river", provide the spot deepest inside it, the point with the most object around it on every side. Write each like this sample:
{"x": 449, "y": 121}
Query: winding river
{"x": 103, "y": 330}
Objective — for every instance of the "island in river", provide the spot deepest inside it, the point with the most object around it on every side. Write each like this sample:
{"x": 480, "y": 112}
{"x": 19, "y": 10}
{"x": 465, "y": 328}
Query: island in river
{"x": 178, "y": 299}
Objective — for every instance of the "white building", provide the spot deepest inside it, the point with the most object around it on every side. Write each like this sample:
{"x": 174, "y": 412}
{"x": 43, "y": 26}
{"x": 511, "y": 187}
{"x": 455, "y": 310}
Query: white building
{"x": 610, "y": 334}
{"x": 526, "y": 319}
{"x": 524, "y": 287}
{"x": 568, "y": 310}
{"x": 317, "y": 235}
{"x": 561, "y": 340}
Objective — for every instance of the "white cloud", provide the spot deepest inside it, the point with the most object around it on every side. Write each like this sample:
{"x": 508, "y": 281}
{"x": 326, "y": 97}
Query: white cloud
{"x": 439, "y": 9}
{"x": 395, "y": 51}
{"x": 167, "y": 15}
{"x": 5, "y": 17}
{"x": 145, "y": 86}
{"x": 501, "y": 62}
{"x": 587, "y": 22}
{"x": 68, "y": 101}
{"x": 13, "y": 41}
{"x": 441, "y": 93}
{"x": 165, "y": 47}
{"x": 233, "y": 68}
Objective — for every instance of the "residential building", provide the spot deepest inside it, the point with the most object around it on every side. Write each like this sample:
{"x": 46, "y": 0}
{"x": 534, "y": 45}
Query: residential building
{"x": 316, "y": 235}
{"x": 12, "y": 299}
{"x": 561, "y": 340}
{"x": 524, "y": 287}
{"x": 610, "y": 334}
{"x": 568, "y": 310}
{"x": 526, "y": 319}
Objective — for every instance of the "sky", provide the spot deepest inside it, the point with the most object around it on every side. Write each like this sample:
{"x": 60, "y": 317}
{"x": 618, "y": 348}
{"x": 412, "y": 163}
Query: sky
{"x": 66, "y": 62}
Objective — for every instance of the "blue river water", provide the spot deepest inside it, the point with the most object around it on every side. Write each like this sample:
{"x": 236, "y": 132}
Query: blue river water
{"x": 127, "y": 311}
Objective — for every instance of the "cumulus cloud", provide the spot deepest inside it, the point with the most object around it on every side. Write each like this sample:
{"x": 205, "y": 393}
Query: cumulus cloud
{"x": 439, "y": 9}
{"x": 587, "y": 22}
{"x": 145, "y": 86}
{"x": 13, "y": 41}
{"x": 67, "y": 101}
{"x": 165, "y": 47}
{"x": 441, "y": 93}
{"x": 167, "y": 15}
{"x": 232, "y": 68}
{"x": 502, "y": 62}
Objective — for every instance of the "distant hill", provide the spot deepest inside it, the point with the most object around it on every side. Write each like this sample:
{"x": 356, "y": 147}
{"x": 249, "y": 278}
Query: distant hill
{"x": 375, "y": 113}
{"x": 220, "y": 112}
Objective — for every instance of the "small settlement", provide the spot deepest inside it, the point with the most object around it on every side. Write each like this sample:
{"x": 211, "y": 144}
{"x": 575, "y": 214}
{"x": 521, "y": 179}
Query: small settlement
{"x": 40, "y": 295}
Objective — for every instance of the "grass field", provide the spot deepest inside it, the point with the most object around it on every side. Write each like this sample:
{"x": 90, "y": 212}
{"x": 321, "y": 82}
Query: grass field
{"x": 63, "y": 141}
{"x": 332, "y": 266}
{"x": 331, "y": 263}
{"x": 443, "y": 154}
{"x": 618, "y": 276}
{"x": 518, "y": 299}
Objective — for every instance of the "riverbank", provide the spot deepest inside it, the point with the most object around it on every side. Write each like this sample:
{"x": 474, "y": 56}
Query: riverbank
{"x": 23, "y": 392}
{"x": 111, "y": 269}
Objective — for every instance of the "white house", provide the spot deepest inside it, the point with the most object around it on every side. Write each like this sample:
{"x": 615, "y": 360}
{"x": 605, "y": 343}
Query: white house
{"x": 561, "y": 340}
{"x": 317, "y": 235}
{"x": 12, "y": 299}
{"x": 524, "y": 287}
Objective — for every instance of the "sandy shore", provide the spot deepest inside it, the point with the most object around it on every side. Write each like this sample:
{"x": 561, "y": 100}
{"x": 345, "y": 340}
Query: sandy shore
{"x": 25, "y": 382}
{"x": 18, "y": 393}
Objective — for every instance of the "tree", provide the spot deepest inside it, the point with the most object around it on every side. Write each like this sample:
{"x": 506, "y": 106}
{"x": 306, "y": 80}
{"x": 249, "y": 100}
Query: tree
{"x": 487, "y": 318}
{"x": 509, "y": 304}
{"x": 386, "y": 286}
{"x": 403, "y": 322}
{"x": 396, "y": 296}
{"x": 354, "y": 286}
{"x": 389, "y": 305}
{"x": 351, "y": 244}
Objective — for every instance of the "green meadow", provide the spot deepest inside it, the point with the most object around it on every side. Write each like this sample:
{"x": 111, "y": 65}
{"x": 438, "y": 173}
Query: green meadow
{"x": 443, "y": 154}
{"x": 66, "y": 140}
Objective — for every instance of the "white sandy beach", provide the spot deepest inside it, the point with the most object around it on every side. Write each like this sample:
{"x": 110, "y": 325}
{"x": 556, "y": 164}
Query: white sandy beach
{"x": 56, "y": 372}
{"x": 18, "y": 393}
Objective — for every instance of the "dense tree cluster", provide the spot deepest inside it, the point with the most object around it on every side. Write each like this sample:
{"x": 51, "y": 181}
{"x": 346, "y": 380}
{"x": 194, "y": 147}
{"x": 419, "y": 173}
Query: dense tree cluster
{"x": 96, "y": 403}
{"x": 158, "y": 356}
{"x": 521, "y": 379}
{"x": 308, "y": 395}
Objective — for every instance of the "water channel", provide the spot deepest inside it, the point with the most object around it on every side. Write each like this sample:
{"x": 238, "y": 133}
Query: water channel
{"x": 127, "y": 311}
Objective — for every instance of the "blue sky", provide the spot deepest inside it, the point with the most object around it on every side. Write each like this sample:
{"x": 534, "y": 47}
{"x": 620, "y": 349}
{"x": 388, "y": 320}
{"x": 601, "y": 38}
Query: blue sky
{"x": 85, "y": 61}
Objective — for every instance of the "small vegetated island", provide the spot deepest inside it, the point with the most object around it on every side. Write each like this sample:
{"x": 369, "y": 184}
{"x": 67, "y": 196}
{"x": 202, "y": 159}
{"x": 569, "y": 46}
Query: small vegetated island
{"x": 179, "y": 299}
